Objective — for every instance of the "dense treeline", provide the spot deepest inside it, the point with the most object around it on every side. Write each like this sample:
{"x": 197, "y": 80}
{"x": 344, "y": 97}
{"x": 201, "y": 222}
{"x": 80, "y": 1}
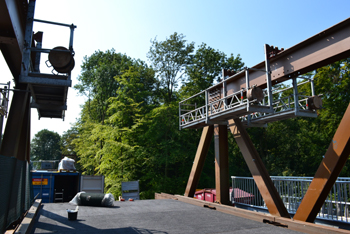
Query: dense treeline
{"x": 128, "y": 129}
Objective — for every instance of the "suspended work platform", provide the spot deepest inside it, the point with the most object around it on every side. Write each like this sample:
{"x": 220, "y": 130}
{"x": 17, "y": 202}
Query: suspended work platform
{"x": 250, "y": 105}
{"x": 253, "y": 94}
{"x": 23, "y": 49}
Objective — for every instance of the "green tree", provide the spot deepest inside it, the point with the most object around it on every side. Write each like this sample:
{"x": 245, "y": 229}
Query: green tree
{"x": 97, "y": 82}
{"x": 109, "y": 148}
{"x": 206, "y": 66}
{"x": 67, "y": 147}
{"x": 137, "y": 137}
{"x": 170, "y": 58}
{"x": 45, "y": 146}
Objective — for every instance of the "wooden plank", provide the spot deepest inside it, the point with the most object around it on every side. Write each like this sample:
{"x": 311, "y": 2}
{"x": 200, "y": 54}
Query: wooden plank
{"x": 27, "y": 223}
{"x": 309, "y": 227}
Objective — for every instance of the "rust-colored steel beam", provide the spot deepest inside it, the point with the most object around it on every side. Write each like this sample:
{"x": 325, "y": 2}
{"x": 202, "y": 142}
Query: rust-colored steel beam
{"x": 12, "y": 135}
{"x": 327, "y": 173}
{"x": 221, "y": 164}
{"x": 23, "y": 152}
{"x": 324, "y": 48}
{"x": 202, "y": 151}
{"x": 12, "y": 23}
{"x": 261, "y": 177}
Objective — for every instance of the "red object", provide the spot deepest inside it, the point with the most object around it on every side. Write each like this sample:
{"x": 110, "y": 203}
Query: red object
{"x": 206, "y": 195}
{"x": 130, "y": 199}
{"x": 210, "y": 195}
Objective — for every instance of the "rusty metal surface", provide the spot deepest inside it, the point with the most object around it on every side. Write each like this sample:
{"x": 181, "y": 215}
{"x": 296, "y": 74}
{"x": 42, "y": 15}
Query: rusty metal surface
{"x": 261, "y": 177}
{"x": 327, "y": 173}
{"x": 221, "y": 164}
{"x": 324, "y": 48}
{"x": 202, "y": 151}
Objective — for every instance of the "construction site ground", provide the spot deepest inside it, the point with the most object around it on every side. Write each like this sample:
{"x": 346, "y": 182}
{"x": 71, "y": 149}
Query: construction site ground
{"x": 146, "y": 216}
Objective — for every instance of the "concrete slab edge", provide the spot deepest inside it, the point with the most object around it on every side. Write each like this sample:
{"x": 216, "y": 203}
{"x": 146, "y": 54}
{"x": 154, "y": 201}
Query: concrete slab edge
{"x": 28, "y": 221}
{"x": 252, "y": 215}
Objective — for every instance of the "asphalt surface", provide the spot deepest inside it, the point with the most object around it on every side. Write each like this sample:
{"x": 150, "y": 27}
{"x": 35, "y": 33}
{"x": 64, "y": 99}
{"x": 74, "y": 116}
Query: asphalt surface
{"x": 146, "y": 216}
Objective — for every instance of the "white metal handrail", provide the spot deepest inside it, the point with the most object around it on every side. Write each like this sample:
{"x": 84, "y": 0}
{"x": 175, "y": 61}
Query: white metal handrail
{"x": 292, "y": 190}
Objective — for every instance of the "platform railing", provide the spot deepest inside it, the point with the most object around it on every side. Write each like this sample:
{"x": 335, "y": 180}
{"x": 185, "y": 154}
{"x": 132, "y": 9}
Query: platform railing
{"x": 209, "y": 109}
{"x": 200, "y": 109}
{"x": 292, "y": 190}
{"x": 282, "y": 104}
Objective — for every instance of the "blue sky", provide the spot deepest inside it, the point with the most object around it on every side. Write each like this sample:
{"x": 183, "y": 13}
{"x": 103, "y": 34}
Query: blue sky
{"x": 238, "y": 27}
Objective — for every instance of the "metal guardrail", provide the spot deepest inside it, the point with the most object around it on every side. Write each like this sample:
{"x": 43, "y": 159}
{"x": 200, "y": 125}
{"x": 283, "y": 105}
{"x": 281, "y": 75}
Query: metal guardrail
{"x": 292, "y": 190}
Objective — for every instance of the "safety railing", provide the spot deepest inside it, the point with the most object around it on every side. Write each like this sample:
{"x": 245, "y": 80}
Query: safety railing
{"x": 292, "y": 190}
{"x": 283, "y": 103}
{"x": 205, "y": 105}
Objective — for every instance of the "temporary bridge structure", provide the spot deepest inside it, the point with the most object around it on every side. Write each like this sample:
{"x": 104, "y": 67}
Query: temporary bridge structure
{"x": 248, "y": 99}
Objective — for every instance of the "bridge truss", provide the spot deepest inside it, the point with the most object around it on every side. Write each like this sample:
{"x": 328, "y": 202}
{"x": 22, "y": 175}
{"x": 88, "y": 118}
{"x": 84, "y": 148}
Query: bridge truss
{"x": 248, "y": 99}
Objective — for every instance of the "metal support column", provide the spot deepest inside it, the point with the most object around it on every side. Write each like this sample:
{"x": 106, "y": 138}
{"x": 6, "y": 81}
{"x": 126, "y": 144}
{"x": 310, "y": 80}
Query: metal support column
{"x": 312, "y": 87}
{"x": 11, "y": 140}
{"x": 224, "y": 89}
{"x": 206, "y": 106}
{"x": 246, "y": 80}
{"x": 327, "y": 173}
{"x": 261, "y": 177}
{"x": 221, "y": 164}
{"x": 296, "y": 96}
{"x": 28, "y": 35}
{"x": 202, "y": 151}
{"x": 268, "y": 76}
{"x": 23, "y": 152}
{"x": 246, "y": 92}
{"x": 72, "y": 27}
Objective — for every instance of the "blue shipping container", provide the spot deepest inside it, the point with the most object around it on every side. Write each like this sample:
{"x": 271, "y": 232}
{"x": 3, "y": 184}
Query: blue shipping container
{"x": 45, "y": 184}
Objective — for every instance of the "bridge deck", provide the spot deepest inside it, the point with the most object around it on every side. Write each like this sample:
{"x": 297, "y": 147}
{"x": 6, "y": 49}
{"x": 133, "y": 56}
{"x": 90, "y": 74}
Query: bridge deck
{"x": 146, "y": 216}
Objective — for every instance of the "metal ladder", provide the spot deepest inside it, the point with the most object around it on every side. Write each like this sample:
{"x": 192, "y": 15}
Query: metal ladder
{"x": 58, "y": 196}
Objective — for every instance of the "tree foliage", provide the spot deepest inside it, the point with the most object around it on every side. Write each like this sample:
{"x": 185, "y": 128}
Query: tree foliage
{"x": 97, "y": 80}
{"x": 169, "y": 59}
{"x": 206, "y": 68}
{"x": 129, "y": 130}
{"x": 45, "y": 146}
